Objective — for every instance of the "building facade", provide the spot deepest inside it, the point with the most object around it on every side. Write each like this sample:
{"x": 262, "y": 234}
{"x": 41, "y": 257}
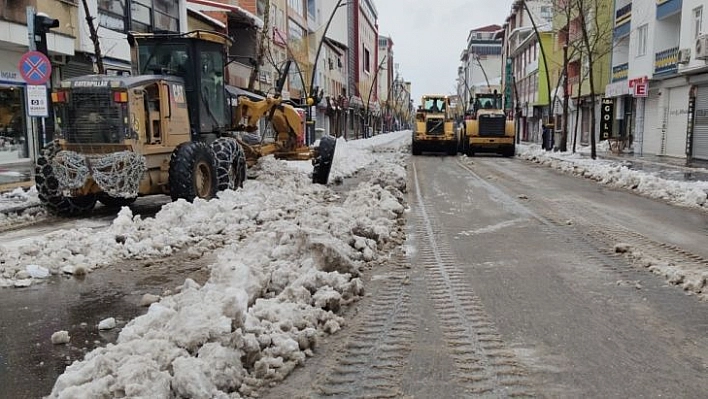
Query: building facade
{"x": 659, "y": 78}
{"x": 481, "y": 61}
{"x": 385, "y": 81}
{"x": 363, "y": 64}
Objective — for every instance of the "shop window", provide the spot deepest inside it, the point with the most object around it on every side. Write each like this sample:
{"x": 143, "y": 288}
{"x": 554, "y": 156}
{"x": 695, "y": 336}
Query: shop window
{"x": 13, "y": 133}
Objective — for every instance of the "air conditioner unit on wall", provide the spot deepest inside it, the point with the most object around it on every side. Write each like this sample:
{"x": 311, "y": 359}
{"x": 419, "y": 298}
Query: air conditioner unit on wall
{"x": 684, "y": 56}
{"x": 702, "y": 47}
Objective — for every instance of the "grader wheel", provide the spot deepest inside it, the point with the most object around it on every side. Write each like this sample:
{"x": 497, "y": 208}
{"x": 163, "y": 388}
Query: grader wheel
{"x": 49, "y": 192}
{"x": 323, "y": 160}
{"x": 231, "y": 163}
{"x": 192, "y": 172}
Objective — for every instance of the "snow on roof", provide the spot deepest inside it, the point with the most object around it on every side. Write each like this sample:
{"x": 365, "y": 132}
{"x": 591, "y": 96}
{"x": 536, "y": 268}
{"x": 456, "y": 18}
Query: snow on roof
{"x": 210, "y": 5}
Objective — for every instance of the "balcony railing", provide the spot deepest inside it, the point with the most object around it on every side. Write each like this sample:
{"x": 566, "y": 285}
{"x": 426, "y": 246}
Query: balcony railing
{"x": 623, "y": 15}
{"x": 666, "y": 61}
{"x": 620, "y": 72}
{"x": 666, "y": 8}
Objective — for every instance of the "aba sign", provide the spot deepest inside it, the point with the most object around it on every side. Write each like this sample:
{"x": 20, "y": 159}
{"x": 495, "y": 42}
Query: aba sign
{"x": 607, "y": 116}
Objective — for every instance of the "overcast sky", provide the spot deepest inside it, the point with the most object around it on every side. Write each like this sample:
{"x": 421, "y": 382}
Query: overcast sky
{"x": 429, "y": 36}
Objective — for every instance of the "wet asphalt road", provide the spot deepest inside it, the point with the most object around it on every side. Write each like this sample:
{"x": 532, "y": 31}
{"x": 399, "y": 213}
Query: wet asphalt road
{"x": 29, "y": 362}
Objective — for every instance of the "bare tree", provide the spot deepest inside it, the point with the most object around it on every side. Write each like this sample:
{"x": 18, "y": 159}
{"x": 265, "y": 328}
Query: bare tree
{"x": 596, "y": 28}
{"x": 94, "y": 38}
{"x": 260, "y": 46}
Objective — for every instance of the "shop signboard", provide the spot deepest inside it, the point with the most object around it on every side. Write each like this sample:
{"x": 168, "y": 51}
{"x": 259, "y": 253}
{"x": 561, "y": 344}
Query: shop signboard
{"x": 37, "y": 104}
{"x": 607, "y": 114}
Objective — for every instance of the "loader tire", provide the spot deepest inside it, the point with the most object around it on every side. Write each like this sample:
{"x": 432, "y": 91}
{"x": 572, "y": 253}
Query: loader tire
{"x": 110, "y": 201}
{"x": 452, "y": 149}
{"x": 415, "y": 148}
{"x": 323, "y": 161}
{"x": 510, "y": 151}
{"x": 192, "y": 172}
{"x": 49, "y": 192}
{"x": 230, "y": 163}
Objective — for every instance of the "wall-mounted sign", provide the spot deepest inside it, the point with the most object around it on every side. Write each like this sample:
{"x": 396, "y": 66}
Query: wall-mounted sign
{"x": 607, "y": 115}
{"x": 37, "y": 104}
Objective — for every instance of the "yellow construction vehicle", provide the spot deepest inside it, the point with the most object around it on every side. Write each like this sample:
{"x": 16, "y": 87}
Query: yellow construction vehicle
{"x": 434, "y": 129}
{"x": 169, "y": 128}
{"x": 487, "y": 129}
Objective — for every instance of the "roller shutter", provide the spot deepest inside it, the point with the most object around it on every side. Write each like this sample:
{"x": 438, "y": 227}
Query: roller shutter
{"x": 700, "y": 124}
{"x": 74, "y": 69}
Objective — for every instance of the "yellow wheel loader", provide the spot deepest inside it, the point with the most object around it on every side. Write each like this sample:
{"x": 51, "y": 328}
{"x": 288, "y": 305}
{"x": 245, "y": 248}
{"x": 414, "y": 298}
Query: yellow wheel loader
{"x": 434, "y": 129}
{"x": 488, "y": 129}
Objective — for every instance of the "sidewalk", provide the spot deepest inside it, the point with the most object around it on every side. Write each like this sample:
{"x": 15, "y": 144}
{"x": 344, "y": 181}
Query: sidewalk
{"x": 666, "y": 167}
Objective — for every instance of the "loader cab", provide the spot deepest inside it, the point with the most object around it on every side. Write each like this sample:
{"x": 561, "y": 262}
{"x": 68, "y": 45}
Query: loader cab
{"x": 199, "y": 58}
{"x": 486, "y": 101}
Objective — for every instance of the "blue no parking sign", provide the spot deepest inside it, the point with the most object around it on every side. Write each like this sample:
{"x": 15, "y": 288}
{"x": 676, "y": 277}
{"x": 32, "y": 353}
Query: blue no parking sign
{"x": 35, "y": 68}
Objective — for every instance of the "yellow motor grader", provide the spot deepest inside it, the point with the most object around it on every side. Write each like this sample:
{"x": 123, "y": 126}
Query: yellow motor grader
{"x": 169, "y": 128}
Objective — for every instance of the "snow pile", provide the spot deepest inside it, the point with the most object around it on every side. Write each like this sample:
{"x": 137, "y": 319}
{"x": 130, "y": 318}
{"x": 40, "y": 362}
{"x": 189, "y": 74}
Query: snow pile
{"x": 201, "y": 226}
{"x": 19, "y": 199}
{"x": 292, "y": 253}
{"x": 691, "y": 277}
{"x": 614, "y": 174}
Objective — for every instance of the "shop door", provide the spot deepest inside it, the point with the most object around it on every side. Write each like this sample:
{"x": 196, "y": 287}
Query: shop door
{"x": 700, "y": 124}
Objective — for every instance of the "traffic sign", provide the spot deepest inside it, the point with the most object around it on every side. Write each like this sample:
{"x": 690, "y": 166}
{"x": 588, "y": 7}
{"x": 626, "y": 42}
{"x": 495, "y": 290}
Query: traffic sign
{"x": 35, "y": 68}
{"x": 37, "y": 104}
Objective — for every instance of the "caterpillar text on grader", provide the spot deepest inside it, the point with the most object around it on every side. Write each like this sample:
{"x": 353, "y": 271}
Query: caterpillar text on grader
{"x": 166, "y": 129}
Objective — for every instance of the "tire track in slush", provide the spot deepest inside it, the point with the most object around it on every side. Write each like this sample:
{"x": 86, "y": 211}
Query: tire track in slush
{"x": 601, "y": 238}
{"x": 376, "y": 353}
{"x": 484, "y": 365}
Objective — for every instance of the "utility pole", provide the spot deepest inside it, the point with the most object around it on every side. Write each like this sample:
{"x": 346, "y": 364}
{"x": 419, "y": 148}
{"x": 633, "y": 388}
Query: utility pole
{"x": 371, "y": 90}
{"x": 564, "y": 136}
{"x": 38, "y": 25}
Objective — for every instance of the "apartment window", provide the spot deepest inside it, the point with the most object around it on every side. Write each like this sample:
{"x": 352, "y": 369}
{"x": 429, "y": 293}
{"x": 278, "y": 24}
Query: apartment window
{"x": 139, "y": 15}
{"x": 296, "y": 5}
{"x": 166, "y": 14}
{"x": 642, "y": 33}
{"x": 111, "y": 14}
{"x": 311, "y": 11}
{"x": 367, "y": 60}
{"x": 698, "y": 21}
